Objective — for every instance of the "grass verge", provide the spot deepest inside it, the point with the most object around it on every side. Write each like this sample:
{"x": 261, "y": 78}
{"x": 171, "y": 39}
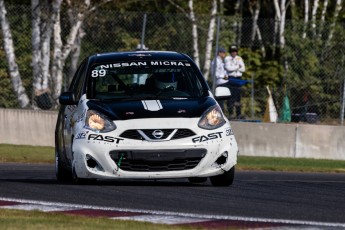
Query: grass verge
{"x": 26, "y": 154}
{"x": 37, "y": 154}
{"x": 19, "y": 219}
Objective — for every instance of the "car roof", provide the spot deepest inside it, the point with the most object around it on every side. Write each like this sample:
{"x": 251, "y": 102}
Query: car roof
{"x": 137, "y": 55}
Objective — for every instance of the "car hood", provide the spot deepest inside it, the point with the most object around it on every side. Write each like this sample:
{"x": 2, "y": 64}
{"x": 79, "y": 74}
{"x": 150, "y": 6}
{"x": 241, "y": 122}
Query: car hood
{"x": 123, "y": 110}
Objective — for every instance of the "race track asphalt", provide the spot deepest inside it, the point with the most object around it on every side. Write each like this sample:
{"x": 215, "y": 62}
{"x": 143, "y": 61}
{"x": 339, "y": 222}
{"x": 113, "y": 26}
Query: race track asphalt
{"x": 316, "y": 197}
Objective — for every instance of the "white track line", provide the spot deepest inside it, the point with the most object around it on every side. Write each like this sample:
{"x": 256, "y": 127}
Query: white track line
{"x": 67, "y": 207}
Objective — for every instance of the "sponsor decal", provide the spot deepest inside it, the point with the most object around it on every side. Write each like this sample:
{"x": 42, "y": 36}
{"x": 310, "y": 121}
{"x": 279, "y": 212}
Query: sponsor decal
{"x": 144, "y": 63}
{"x": 169, "y": 63}
{"x": 99, "y": 137}
{"x": 123, "y": 64}
{"x": 210, "y": 136}
{"x": 101, "y": 70}
{"x": 82, "y": 135}
{"x": 81, "y": 116}
{"x": 71, "y": 108}
{"x": 229, "y": 132}
{"x": 81, "y": 101}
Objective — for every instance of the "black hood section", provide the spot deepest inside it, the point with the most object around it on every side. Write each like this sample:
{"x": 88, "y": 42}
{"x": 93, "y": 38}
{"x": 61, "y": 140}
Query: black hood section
{"x": 123, "y": 110}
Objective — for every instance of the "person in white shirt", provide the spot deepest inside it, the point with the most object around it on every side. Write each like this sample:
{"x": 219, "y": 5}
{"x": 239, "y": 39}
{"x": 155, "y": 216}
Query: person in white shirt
{"x": 220, "y": 72}
{"x": 234, "y": 65}
{"x": 221, "y": 75}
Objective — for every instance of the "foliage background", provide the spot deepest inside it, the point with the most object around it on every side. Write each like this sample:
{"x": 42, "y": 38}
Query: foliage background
{"x": 310, "y": 70}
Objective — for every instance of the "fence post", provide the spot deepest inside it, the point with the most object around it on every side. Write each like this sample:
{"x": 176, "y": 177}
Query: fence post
{"x": 342, "y": 105}
{"x": 143, "y": 33}
{"x": 252, "y": 96}
{"x": 215, "y": 56}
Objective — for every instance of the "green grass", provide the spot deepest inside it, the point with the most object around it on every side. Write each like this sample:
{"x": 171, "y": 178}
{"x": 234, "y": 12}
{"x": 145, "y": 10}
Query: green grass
{"x": 19, "y": 219}
{"x": 37, "y": 154}
{"x": 290, "y": 164}
{"x": 26, "y": 154}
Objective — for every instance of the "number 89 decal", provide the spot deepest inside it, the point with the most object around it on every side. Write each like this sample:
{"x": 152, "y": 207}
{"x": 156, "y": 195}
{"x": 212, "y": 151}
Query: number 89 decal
{"x": 98, "y": 73}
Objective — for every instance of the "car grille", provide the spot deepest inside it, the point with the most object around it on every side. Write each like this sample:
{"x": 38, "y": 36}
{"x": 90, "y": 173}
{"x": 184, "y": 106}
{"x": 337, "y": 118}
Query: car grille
{"x": 157, "y": 160}
{"x": 147, "y": 134}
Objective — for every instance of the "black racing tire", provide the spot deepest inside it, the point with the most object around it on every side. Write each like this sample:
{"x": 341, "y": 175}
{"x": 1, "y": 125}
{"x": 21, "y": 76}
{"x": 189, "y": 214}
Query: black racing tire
{"x": 79, "y": 181}
{"x": 62, "y": 173}
{"x": 225, "y": 179}
{"x": 197, "y": 180}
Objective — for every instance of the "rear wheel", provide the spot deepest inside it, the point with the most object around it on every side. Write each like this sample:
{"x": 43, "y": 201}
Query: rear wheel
{"x": 224, "y": 179}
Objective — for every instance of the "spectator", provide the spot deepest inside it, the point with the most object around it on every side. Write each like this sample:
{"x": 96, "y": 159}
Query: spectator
{"x": 220, "y": 73}
{"x": 235, "y": 67}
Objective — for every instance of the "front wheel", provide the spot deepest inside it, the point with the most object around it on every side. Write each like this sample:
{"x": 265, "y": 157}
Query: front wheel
{"x": 80, "y": 181}
{"x": 197, "y": 180}
{"x": 62, "y": 174}
{"x": 224, "y": 179}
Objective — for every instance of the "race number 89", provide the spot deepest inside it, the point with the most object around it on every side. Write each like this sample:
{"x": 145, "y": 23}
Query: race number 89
{"x": 98, "y": 73}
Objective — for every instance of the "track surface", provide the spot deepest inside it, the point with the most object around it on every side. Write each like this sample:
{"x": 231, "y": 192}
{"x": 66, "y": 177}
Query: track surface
{"x": 306, "y": 197}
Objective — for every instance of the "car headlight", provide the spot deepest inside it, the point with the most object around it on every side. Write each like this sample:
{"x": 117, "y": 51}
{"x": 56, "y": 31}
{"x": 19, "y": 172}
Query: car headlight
{"x": 212, "y": 118}
{"x": 98, "y": 122}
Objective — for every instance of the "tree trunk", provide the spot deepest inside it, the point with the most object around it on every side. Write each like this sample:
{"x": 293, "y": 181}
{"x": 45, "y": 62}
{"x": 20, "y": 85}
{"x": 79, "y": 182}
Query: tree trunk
{"x": 210, "y": 37}
{"x": 75, "y": 54}
{"x": 238, "y": 22}
{"x": 35, "y": 42}
{"x": 322, "y": 19}
{"x": 16, "y": 80}
{"x": 194, "y": 33}
{"x": 313, "y": 17}
{"x": 337, "y": 9}
{"x": 57, "y": 58}
{"x": 255, "y": 16}
{"x": 282, "y": 24}
{"x": 306, "y": 18}
{"x": 62, "y": 52}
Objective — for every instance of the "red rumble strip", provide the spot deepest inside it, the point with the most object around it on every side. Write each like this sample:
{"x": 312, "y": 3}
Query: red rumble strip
{"x": 170, "y": 218}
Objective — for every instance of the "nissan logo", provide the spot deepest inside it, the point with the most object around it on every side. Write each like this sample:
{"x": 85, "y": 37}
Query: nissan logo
{"x": 158, "y": 134}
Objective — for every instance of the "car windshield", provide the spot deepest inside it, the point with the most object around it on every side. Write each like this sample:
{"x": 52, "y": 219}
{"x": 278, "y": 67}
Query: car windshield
{"x": 145, "y": 80}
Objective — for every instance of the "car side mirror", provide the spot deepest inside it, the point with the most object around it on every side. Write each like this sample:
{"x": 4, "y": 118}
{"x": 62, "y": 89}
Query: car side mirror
{"x": 222, "y": 93}
{"x": 67, "y": 98}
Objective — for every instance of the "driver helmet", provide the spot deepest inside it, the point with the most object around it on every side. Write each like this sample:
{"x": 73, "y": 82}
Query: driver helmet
{"x": 165, "y": 81}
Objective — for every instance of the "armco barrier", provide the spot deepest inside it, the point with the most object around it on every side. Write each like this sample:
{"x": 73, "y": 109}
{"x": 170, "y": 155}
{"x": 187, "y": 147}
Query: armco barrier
{"x": 30, "y": 127}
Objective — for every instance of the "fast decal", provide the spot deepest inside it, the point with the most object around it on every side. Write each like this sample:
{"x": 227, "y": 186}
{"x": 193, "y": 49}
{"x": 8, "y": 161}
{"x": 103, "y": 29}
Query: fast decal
{"x": 210, "y": 136}
{"x": 99, "y": 137}
{"x": 82, "y": 135}
{"x": 229, "y": 132}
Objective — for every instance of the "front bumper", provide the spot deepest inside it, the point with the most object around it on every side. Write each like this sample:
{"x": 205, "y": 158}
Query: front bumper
{"x": 202, "y": 155}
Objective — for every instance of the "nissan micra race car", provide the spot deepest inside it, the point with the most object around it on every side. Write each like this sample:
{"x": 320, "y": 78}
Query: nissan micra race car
{"x": 143, "y": 115}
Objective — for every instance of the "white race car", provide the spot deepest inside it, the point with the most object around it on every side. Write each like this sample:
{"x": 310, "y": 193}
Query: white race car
{"x": 143, "y": 115}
